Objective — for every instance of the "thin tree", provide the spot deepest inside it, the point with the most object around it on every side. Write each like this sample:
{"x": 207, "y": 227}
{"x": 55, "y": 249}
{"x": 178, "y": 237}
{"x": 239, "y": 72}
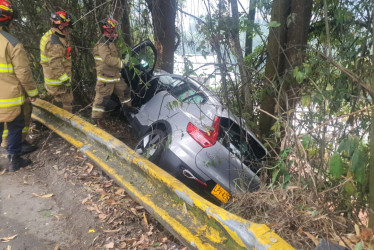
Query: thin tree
{"x": 371, "y": 161}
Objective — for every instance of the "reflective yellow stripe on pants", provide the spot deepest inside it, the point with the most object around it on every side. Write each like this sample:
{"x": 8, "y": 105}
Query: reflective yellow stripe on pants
{"x": 57, "y": 82}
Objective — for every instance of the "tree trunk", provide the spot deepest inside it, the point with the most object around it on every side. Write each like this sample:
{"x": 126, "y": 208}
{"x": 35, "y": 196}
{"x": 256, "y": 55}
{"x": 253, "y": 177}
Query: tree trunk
{"x": 297, "y": 38}
{"x": 121, "y": 14}
{"x": 285, "y": 47}
{"x": 250, "y": 28}
{"x": 247, "y": 90}
{"x": 371, "y": 161}
{"x": 371, "y": 173}
{"x": 274, "y": 63}
{"x": 163, "y": 17}
{"x": 125, "y": 22}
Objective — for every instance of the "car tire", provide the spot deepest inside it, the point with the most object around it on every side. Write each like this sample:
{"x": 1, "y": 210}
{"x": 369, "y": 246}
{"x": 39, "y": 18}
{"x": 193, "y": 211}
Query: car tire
{"x": 152, "y": 145}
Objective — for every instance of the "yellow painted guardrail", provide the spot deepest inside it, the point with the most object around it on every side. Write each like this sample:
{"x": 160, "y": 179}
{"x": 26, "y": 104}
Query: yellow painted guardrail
{"x": 196, "y": 222}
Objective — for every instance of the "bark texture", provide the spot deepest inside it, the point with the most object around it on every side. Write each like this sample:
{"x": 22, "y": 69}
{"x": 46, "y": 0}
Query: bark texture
{"x": 163, "y": 18}
{"x": 286, "y": 44}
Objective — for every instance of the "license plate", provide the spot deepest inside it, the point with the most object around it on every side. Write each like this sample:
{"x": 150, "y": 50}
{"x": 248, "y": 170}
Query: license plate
{"x": 221, "y": 194}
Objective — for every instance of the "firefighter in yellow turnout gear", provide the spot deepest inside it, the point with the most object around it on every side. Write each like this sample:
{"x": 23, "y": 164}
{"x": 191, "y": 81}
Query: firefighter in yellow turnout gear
{"x": 55, "y": 59}
{"x": 16, "y": 84}
{"x": 108, "y": 66}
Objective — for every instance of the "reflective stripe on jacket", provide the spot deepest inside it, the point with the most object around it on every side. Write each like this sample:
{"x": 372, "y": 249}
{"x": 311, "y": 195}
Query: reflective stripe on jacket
{"x": 55, "y": 58}
{"x": 108, "y": 61}
{"x": 16, "y": 80}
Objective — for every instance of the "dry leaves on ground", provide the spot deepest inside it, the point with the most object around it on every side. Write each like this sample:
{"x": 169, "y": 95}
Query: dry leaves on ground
{"x": 125, "y": 222}
{"x": 44, "y": 196}
{"x": 300, "y": 217}
{"x": 7, "y": 239}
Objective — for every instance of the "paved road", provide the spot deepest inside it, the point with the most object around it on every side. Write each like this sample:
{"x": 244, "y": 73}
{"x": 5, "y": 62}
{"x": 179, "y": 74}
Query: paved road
{"x": 37, "y": 221}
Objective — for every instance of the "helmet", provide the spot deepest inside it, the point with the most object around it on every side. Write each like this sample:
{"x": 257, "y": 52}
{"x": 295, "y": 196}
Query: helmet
{"x": 108, "y": 28}
{"x": 7, "y": 12}
{"x": 61, "y": 19}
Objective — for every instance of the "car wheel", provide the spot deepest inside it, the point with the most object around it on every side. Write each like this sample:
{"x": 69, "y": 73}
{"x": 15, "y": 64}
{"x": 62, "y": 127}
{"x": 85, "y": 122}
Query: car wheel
{"x": 152, "y": 145}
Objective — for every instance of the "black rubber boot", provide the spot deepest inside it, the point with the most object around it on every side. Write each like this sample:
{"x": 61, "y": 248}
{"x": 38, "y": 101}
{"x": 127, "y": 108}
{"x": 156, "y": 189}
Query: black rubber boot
{"x": 27, "y": 148}
{"x": 97, "y": 122}
{"x": 16, "y": 162}
{"x": 128, "y": 111}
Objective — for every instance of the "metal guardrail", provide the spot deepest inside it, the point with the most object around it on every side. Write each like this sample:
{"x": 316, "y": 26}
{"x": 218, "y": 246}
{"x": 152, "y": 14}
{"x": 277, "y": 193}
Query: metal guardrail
{"x": 197, "y": 223}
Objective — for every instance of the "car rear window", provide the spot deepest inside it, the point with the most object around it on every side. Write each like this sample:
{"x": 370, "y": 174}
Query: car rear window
{"x": 240, "y": 143}
{"x": 188, "y": 93}
{"x": 169, "y": 82}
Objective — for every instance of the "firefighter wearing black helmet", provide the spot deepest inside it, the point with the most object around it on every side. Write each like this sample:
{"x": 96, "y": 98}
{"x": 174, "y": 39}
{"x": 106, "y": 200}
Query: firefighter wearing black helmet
{"x": 108, "y": 65}
{"x": 55, "y": 59}
{"x": 16, "y": 84}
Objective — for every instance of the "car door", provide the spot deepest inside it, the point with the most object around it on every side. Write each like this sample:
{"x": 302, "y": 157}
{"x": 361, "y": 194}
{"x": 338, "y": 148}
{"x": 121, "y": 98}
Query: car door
{"x": 139, "y": 69}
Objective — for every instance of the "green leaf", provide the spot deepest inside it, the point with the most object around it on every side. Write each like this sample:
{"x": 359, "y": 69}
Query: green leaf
{"x": 306, "y": 141}
{"x": 336, "y": 166}
{"x": 349, "y": 188}
{"x": 127, "y": 58}
{"x": 156, "y": 244}
{"x": 348, "y": 146}
{"x": 275, "y": 175}
{"x": 359, "y": 161}
{"x": 305, "y": 101}
{"x": 273, "y": 24}
{"x": 314, "y": 213}
{"x": 284, "y": 154}
{"x": 46, "y": 213}
{"x": 175, "y": 104}
{"x": 286, "y": 179}
{"x": 358, "y": 246}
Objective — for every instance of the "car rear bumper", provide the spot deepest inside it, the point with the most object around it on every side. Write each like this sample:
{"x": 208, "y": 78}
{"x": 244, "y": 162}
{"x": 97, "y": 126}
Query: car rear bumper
{"x": 171, "y": 163}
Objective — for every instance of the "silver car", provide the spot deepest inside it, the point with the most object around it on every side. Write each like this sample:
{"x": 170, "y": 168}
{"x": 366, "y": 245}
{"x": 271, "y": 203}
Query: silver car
{"x": 184, "y": 129}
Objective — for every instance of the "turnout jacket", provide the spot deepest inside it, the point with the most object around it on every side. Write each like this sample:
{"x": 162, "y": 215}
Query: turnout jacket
{"x": 108, "y": 61}
{"x": 55, "y": 58}
{"x": 16, "y": 80}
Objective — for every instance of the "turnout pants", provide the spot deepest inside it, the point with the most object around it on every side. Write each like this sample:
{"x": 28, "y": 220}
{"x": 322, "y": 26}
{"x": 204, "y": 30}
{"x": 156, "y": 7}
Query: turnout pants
{"x": 103, "y": 103}
{"x": 14, "y": 134}
{"x": 27, "y": 110}
{"x": 62, "y": 96}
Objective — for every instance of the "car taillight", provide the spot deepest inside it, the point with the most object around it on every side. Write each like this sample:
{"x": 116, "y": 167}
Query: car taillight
{"x": 205, "y": 139}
